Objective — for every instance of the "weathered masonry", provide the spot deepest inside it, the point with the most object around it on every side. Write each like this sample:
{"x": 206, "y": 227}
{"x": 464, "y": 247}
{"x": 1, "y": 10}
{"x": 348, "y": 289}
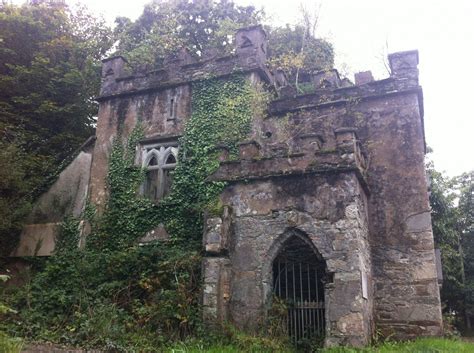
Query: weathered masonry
{"x": 325, "y": 210}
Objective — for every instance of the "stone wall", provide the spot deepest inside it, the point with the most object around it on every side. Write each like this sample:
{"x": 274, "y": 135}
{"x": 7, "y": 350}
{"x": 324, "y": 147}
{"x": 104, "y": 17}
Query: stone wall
{"x": 161, "y": 113}
{"x": 327, "y": 210}
{"x": 66, "y": 197}
{"x": 161, "y": 99}
{"x": 371, "y": 134}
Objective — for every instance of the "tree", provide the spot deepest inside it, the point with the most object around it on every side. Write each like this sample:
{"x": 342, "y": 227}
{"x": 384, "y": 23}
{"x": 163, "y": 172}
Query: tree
{"x": 444, "y": 221}
{"x": 452, "y": 215}
{"x": 203, "y": 25}
{"x": 198, "y": 25}
{"x": 465, "y": 186}
{"x": 49, "y": 74}
{"x": 297, "y": 50}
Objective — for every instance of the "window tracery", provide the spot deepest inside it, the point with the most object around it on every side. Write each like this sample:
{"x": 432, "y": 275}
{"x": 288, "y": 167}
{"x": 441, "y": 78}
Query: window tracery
{"x": 159, "y": 161}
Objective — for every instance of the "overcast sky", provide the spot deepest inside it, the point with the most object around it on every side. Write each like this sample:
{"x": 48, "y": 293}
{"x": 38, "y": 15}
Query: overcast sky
{"x": 363, "y": 30}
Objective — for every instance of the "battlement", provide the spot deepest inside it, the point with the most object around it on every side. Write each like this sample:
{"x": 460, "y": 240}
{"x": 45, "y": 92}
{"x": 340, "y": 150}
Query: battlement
{"x": 181, "y": 67}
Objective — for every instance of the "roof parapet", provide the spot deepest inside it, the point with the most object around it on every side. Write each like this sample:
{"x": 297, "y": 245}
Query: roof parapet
{"x": 181, "y": 67}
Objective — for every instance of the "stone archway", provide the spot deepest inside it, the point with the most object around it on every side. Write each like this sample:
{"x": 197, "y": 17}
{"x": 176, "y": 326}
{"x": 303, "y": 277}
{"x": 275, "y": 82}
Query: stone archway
{"x": 298, "y": 273}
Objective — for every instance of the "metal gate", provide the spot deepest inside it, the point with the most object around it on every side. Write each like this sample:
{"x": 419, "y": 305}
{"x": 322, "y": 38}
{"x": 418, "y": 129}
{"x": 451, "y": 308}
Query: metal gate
{"x": 297, "y": 280}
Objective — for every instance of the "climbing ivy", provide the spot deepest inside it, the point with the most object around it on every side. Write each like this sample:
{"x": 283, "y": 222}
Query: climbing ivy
{"x": 114, "y": 292}
{"x": 222, "y": 112}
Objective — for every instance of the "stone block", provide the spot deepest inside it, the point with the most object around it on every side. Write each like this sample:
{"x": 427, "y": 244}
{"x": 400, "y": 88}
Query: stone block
{"x": 287, "y": 91}
{"x": 419, "y": 222}
{"x": 112, "y": 69}
{"x": 223, "y": 153}
{"x": 217, "y": 233}
{"x": 212, "y": 235}
{"x": 403, "y": 60}
{"x": 345, "y": 136}
{"x": 249, "y": 150}
{"x": 216, "y": 290}
{"x": 363, "y": 77}
{"x": 310, "y": 142}
{"x": 326, "y": 79}
{"x": 404, "y": 65}
{"x": 251, "y": 40}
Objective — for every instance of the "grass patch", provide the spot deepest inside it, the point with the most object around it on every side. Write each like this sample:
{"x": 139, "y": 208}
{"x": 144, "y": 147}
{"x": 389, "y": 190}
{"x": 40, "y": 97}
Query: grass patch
{"x": 423, "y": 345}
{"x": 10, "y": 344}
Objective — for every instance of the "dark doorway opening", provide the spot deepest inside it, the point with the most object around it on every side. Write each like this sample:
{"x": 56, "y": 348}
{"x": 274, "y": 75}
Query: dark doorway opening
{"x": 298, "y": 274}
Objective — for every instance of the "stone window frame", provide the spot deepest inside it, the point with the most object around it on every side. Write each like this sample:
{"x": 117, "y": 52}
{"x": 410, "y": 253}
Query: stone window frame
{"x": 159, "y": 149}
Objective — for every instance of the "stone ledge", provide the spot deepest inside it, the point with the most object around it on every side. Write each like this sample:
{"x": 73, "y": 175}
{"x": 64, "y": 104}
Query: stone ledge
{"x": 220, "y": 67}
{"x": 388, "y": 86}
{"x": 340, "y": 160}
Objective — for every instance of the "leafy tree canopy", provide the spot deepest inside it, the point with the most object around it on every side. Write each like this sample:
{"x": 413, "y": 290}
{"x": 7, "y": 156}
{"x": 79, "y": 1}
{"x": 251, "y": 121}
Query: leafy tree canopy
{"x": 49, "y": 73}
{"x": 203, "y": 25}
{"x": 452, "y": 215}
{"x": 198, "y": 25}
{"x": 291, "y": 48}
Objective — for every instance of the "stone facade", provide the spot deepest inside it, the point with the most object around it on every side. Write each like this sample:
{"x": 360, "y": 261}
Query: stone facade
{"x": 341, "y": 170}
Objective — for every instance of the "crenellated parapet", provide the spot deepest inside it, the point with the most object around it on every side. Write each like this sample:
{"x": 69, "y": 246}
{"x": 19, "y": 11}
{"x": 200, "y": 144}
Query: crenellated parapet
{"x": 181, "y": 67}
{"x": 329, "y": 89}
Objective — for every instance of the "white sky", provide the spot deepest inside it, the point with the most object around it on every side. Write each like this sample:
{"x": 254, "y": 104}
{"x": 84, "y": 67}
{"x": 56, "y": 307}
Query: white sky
{"x": 363, "y": 30}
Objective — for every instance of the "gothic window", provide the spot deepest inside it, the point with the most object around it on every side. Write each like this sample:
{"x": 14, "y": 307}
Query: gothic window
{"x": 159, "y": 162}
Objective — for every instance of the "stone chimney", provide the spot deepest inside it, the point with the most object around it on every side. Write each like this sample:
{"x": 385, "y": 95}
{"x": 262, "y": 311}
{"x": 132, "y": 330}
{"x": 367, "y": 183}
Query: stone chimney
{"x": 251, "y": 42}
{"x": 112, "y": 68}
{"x": 404, "y": 65}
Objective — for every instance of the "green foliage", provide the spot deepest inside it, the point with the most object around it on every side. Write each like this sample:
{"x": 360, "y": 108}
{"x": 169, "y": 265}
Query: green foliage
{"x": 116, "y": 293}
{"x": 9, "y": 344}
{"x": 49, "y": 72}
{"x": 196, "y": 25}
{"x": 285, "y": 50}
{"x": 452, "y": 214}
{"x": 232, "y": 340}
{"x": 444, "y": 221}
{"x": 221, "y": 113}
{"x": 423, "y": 345}
{"x": 16, "y": 181}
{"x": 210, "y": 25}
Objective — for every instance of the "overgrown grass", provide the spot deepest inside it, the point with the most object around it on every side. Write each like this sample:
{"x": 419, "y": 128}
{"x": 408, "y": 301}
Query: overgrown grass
{"x": 423, "y": 345}
{"x": 10, "y": 344}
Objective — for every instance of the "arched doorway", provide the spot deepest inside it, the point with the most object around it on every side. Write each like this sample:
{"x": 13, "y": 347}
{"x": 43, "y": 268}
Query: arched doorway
{"x": 298, "y": 273}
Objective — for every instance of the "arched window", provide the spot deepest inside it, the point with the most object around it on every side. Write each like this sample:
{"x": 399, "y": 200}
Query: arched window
{"x": 159, "y": 162}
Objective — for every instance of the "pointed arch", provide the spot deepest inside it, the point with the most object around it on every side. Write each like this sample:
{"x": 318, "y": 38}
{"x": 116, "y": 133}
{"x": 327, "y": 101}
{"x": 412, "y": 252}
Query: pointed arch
{"x": 170, "y": 156}
{"x": 295, "y": 272}
{"x": 150, "y": 155}
{"x": 285, "y": 236}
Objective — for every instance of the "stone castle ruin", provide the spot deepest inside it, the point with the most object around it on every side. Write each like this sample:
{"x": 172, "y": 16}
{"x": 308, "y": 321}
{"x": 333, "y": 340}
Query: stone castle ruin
{"x": 326, "y": 209}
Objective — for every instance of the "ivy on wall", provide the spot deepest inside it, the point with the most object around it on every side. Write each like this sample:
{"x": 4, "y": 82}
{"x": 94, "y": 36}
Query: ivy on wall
{"x": 119, "y": 294}
{"x": 221, "y": 114}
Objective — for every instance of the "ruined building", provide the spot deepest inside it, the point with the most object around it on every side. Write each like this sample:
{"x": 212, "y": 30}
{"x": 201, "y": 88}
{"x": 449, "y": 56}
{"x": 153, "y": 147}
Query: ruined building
{"x": 326, "y": 208}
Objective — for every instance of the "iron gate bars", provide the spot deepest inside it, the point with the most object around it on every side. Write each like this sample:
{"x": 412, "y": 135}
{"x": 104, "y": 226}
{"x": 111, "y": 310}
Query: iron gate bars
{"x": 299, "y": 285}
